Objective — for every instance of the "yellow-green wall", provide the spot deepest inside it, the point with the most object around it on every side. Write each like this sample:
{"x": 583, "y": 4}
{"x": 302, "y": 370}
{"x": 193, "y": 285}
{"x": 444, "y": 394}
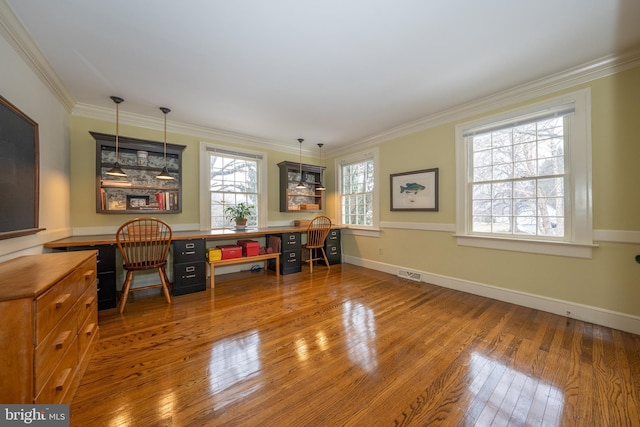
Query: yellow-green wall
{"x": 83, "y": 185}
{"x": 610, "y": 280}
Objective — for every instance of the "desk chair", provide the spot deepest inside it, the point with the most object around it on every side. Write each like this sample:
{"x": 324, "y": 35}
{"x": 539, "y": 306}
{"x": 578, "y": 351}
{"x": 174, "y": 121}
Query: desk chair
{"x": 317, "y": 232}
{"x": 144, "y": 244}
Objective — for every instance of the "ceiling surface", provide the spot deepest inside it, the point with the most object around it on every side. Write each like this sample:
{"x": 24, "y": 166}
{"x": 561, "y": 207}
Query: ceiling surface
{"x": 332, "y": 72}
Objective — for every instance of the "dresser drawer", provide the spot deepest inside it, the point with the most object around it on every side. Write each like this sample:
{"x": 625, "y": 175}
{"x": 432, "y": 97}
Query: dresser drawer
{"x": 59, "y": 383}
{"x": 87, "y": 305}
{"x": 55, "y": 303}
{"x": 88, "y": 331}
{"x": 50, "y": 351}
{"x": 189, "y": 277}
{"x": 58, "y": 300}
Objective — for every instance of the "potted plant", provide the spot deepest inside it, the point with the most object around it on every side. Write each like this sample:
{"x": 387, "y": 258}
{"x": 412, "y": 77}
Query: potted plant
{"x": 239, "y": 213}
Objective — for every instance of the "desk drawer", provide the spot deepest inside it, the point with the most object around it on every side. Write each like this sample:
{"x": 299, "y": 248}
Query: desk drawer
{"x": 188, "y": 250}
{"x": 333, "y": 236}
{"x": 290, "y": 262}
{"x": 189, "y": 277}
{"x": 290, "y": 241}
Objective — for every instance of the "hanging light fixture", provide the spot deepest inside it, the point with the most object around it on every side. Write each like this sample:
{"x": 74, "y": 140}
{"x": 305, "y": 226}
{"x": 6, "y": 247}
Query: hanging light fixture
{"x": 320, "y": 186}
{"x": 300, "y": 185}
{"x": 116, "y": 170}
{"x": 164, "y": 175}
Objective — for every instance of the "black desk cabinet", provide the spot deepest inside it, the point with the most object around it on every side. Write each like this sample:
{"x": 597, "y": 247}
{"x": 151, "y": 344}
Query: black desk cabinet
{"x": 106, "y": 275}
{"x": 333, "y": 247}
{"x": 189, "y": 266}
{"x": 290, "y": 254}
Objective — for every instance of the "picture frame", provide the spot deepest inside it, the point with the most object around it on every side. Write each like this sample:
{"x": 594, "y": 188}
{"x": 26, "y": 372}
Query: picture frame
{"x": 19, "y": 173}
{"x": 135, "y": 202}
{"x": 415, "y": 190}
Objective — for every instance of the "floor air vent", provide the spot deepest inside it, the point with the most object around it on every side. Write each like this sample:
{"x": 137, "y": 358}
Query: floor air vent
{"x": 411, "y": 275}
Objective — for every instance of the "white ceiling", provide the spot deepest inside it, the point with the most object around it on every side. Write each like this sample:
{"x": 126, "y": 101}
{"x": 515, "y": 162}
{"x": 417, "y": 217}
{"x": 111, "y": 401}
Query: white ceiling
{"x": 330, "y": 71}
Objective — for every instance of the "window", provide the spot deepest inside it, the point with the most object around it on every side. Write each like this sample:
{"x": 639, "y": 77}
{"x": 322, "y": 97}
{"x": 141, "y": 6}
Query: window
{"x": 231, "y": 177}
{"x": 358, "y": 178}
{"x": 525, "y": 176}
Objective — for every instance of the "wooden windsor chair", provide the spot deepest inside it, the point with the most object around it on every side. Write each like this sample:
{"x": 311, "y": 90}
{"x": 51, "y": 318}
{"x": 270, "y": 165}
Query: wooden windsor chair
{"x": 317, "y": 232}
{"x": 144, "y": 244}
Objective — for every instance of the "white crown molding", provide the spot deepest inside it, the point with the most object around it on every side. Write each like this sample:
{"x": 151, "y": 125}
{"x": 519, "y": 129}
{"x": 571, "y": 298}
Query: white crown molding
{"x": 14, "y": 32}
{"x": 570, "y": 78}
{"x": 142, "y": 121}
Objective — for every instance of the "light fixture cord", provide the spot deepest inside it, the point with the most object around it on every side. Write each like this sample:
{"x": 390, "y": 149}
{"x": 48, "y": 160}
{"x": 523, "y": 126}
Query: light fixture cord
{"x": 300, "y": 184}
{"x": 165, "y": 139}
{"x": 117, "y": 129}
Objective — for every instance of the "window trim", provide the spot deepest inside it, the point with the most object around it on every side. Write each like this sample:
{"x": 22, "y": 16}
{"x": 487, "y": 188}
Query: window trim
{"x": 578, "y": 240}
{"x": 370, "y": 154}
{"x": 205, "y": 193}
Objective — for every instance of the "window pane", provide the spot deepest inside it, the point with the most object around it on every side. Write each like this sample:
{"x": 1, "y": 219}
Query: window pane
{"x": 357, "y": 188}
{"x": 232, "y": 181}
{"x": 518, "y": 178}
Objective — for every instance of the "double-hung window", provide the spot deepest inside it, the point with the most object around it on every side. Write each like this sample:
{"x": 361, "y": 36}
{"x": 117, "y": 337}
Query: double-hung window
{"x": 231, "y": 177}
{"x": 525, "y": 176}
{"x": 358, "y": 181}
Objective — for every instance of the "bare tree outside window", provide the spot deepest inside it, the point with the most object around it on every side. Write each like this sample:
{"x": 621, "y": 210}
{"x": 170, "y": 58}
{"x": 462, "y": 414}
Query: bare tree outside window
{"x": 232, "y": 181}
{"x": 518, "y": 179}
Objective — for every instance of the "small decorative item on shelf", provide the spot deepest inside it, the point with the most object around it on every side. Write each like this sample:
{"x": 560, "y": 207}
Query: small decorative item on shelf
{"x": 239, "y": 213}
{"x": 143, "y": 157}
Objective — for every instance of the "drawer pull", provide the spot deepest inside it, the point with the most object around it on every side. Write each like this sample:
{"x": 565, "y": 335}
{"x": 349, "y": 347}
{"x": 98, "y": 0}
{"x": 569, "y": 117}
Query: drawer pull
{"x": 63, "y": 379}
{"x": 89, "y": 302}
{"x": 88, "y": 275}
{"x": 189, "y": 276}
{"x": 89, "y": 329}
{"x": 292, "y": 260}
{"x": 189, "y": 253}
{"x": 61, "y": 339}
{"x": 62, "y": 300}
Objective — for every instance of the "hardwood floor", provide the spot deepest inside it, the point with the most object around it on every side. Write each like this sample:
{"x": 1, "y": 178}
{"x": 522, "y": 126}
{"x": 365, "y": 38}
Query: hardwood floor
{"x": 352, "y": 347}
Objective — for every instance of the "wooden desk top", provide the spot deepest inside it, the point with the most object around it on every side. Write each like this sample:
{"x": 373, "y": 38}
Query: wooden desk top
{"x": 108, "y": 239}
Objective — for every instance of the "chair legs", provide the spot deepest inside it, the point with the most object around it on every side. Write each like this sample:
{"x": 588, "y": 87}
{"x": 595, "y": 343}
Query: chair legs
{"x": 126, "y": 287}
{"x": 125, "y": 290}
{"x": 165, "y": 284}
{"x": 313, "y": 257}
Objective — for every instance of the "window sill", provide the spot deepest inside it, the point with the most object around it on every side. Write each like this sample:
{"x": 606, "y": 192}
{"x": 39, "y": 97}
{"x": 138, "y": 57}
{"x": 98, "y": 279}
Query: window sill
{"x": 568, "y": 249}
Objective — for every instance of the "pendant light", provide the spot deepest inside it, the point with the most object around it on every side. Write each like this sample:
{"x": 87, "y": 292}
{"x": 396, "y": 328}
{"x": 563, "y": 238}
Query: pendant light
{"x": 320, "y": 186}
{"x": 300, "y": 185}
{"x": 164, "y": 175}
{"x": 116, "y": 170}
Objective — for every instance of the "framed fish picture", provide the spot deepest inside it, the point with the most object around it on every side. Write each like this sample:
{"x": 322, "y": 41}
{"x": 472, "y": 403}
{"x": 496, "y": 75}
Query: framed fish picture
{"x": 415, "y": 190}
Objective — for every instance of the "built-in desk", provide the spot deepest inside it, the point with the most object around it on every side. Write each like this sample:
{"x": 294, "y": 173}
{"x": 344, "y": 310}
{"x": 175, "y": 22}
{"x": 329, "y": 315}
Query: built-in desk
{"x": 189, "y": 262}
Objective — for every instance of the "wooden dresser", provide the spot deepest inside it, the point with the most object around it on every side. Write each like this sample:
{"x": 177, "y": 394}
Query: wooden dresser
{"x": 48, "y": 325}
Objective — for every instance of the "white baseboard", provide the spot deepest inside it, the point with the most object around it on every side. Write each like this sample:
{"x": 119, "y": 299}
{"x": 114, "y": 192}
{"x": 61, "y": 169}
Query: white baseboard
{"x": 590, "y": 314}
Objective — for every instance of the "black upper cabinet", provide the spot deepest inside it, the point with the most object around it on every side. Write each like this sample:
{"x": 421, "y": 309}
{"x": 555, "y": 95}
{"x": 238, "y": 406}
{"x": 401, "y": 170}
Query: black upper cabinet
{"x": 308, "y": 199}
{"x": 141, "y": 190}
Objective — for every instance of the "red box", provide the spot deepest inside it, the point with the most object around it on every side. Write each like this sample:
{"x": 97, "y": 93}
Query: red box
{"x": 230, "y": 251}
{"x": 249, "y": 247}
